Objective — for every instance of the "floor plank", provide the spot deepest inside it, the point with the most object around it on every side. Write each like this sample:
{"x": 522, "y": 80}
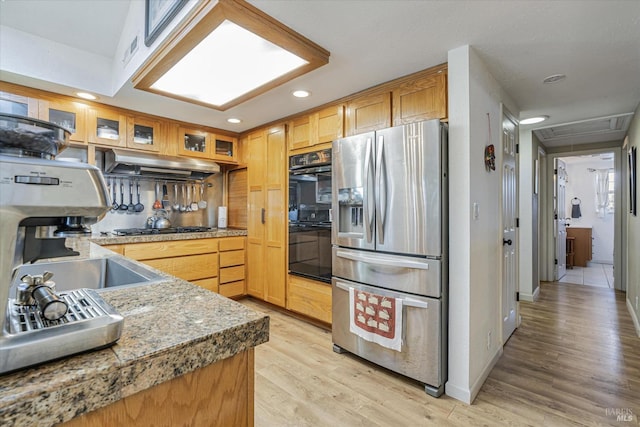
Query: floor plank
{"x": 574, "y": 361}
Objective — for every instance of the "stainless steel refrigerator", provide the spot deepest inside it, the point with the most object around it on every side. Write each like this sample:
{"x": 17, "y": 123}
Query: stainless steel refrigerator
{"x": 389, "y": 254}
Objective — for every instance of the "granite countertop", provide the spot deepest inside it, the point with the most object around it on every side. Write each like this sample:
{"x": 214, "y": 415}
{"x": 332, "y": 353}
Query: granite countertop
{"x": 214, "y": 233}
{"x": 162, "y": 338}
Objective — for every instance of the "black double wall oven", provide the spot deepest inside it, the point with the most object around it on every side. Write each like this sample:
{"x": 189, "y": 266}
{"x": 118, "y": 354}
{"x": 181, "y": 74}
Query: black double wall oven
{"x": 310, "y": 215}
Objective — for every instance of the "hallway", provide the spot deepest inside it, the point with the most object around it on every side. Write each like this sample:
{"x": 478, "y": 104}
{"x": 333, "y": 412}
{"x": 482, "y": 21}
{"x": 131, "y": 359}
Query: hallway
{"x": 600, "y": 275}
{"x": 574, "y": 360}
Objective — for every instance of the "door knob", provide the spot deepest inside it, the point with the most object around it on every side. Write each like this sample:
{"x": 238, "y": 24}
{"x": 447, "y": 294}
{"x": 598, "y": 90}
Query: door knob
{"x": 507, "y": 242}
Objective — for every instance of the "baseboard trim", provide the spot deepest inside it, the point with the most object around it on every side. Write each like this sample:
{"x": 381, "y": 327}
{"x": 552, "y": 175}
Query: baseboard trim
{"x": 636, "y": 322}
{"x": 468, "y": 395}
{"x": 531, "y": 297}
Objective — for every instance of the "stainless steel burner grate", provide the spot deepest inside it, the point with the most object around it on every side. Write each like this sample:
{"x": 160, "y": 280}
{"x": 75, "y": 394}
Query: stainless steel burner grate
{"x": 81, "y": 307}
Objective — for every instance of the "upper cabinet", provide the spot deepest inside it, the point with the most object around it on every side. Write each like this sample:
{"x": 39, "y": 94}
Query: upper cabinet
{"x": 143, "y": 133}
{"x": 317, "y": 128}
{"x": 68, "y": 114}
{"x": 19, "y": 105}
{"x": 419, "y": 99}
{"x": 107, "y": 127}
{"x": 368, "y": 113}
{"x": 225, "y": 149}
{"x": 194, "y": 143}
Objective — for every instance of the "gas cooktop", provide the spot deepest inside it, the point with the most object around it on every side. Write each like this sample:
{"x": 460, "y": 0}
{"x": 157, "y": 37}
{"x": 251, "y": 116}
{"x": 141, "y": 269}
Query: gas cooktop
{"x": 146, "y": 231}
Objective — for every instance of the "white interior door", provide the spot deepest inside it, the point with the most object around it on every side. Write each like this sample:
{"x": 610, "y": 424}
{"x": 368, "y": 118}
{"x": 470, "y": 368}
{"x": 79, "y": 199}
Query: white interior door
{"x": 509, "y": 229}
{"x": 560, "y": 216}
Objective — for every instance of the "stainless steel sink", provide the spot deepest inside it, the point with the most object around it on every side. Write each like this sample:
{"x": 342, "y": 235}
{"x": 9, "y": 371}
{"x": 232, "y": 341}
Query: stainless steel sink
{"x": 96, "y": 273}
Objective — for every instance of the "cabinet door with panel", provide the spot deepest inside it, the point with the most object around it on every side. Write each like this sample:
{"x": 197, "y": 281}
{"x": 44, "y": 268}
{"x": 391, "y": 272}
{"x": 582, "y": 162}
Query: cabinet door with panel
{"x": 321, "y": 127}
{"x": 368, "y": 113}
{"x": 18, "y": 105}
{"x": 299, "y": 133}
{"x": 194, "y": 143}
{"x": 224, "y": 149}
{"x": 420, "y": 99}
{"x": 143, "y": 133}
{"x": 266, "y": 227}
{"x": 107, "y": 127}
{"x": 330, "y": 124}
{"x": 69, "y": 115}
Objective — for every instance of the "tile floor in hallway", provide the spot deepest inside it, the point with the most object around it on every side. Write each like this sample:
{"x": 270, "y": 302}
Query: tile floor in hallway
{"x": 600, "y": 275}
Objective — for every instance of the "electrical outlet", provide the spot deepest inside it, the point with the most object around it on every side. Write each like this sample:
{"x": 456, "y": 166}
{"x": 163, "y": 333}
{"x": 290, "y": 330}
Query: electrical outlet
{"x": 489, "y": 341}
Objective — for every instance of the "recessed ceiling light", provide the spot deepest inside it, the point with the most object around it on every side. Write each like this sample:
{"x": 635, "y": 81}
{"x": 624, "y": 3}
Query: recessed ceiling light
{"x": 532, "y": 120}
{"x": 301, "y": 93}
{"x": 86, "y": 95}
{"x": 554, "y": 78}
{"x": 234, "y": 120}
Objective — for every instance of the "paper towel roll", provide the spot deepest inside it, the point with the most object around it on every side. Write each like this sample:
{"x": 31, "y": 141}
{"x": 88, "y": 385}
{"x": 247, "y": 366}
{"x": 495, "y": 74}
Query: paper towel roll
{"x": 222, "y": 217}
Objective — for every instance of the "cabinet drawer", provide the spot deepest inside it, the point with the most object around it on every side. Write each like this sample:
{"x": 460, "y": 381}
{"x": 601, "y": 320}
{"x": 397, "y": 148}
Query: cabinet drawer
{"x": 233, "y": 289}
{"x": 310, "y": 298}
{"x": 119, "y": 249}
{"x": 231, "y": 258}
{"x": 231, "y": 274}
{"x": 176, "y": 248}
{"x": 192, "y": 267}
{"x": 210, "y": 283}
{"x": 231, "y": 244}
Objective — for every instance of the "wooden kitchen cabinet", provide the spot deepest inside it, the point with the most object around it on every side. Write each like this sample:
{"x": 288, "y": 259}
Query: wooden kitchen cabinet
{"x": 194, "y": 143}
{"x": 317, "y": 128}
{"x": 266, "y": 223}
{"x": 582, "y": 245}
{"x": 17, "y": 104}
{"x": 224, "y": 149}
{"x": 232, "y": 266}
{"x": 310, "y": 298}
{"x": 144, "y": 133}
{"x": 69, "y": 115}
{"x": 107, "y": 127}
{"x": 368, "y": 113}
{"x": 423, "y": 98}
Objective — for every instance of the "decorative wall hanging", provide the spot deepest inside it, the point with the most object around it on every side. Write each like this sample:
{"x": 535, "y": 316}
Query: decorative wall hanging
{"x": 490, "y": 157}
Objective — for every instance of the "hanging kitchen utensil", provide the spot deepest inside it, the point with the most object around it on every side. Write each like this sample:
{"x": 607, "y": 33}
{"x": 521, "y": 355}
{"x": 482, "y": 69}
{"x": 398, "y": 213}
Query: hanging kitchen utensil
{"x": 139, "y": 206}
{"x": 123, "y": 206}
{"x": 157, "y": 204}
{"x": 183, "y": 204}
{"x": 131, "y": 207}
{"x": 202, "y": 204}
{"x": 166, "y": 204}
{"x": 194, "y": 204}
{"x": 176, "y": 198}
{"x": 114, "y": 204}
{"x": 188, "y": 202}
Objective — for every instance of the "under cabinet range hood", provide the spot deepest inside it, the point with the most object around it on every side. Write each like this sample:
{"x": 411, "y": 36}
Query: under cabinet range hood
{"x": 138, "y": 163}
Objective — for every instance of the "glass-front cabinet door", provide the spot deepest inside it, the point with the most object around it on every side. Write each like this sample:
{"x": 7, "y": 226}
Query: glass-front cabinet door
{"x": 194, "y": 143}
{"x": 69, "y": 115}
{"x": 18, "y": 105}
{"x": 143, "y": 133}
{"x": 107, "y": 127}
{"x": 225, "y": 149}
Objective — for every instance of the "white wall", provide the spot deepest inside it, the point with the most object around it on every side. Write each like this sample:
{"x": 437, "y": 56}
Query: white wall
{"x": 474, "y": 245}
{"x": 581, "y": 185}
{"x": 633, "y": 236}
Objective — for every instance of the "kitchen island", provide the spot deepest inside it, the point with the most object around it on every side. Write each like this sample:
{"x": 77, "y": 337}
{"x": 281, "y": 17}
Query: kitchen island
{"x": 185, "y": 357}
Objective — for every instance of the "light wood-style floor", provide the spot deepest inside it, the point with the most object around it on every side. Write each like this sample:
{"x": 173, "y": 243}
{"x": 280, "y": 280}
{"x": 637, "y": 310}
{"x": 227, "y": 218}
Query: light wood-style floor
{"x": 574, "y": 360}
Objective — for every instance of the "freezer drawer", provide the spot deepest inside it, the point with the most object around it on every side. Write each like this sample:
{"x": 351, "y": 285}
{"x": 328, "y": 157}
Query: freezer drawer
{"x": 421, "y": 356}
{"x": 420, "y": 276}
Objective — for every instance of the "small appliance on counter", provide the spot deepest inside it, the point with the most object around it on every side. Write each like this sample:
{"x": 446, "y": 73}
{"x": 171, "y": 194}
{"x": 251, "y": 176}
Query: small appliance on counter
{"x": 37, "y": 324}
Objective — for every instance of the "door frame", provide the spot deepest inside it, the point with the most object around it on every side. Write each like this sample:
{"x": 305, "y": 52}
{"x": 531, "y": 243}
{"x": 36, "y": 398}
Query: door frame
{"x": 547, "y": 251}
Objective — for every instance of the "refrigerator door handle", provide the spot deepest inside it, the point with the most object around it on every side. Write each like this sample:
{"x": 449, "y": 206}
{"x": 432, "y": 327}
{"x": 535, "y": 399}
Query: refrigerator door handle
{"x": 381, "y": 260}
{"x": 368, "y": 214}
{"x": 379, "y": 190}
{"x": 405, "y": 301}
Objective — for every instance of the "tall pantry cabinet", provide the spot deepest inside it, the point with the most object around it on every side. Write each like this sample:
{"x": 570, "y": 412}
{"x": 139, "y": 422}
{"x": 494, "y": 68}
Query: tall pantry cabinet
{"x": 266, "y": 223}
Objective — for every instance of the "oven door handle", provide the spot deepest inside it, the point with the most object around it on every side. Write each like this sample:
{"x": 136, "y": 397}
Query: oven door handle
{"x": 380, "y": 260}
{"x": 405, "y": 301}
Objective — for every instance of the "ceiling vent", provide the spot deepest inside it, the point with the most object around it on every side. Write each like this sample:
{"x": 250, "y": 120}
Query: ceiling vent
{"x": 603, "y": 129}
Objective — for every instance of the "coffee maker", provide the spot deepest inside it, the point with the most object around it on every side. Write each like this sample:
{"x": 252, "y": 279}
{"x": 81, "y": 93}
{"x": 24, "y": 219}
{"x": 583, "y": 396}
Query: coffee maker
{"x": 37, "y": 191}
